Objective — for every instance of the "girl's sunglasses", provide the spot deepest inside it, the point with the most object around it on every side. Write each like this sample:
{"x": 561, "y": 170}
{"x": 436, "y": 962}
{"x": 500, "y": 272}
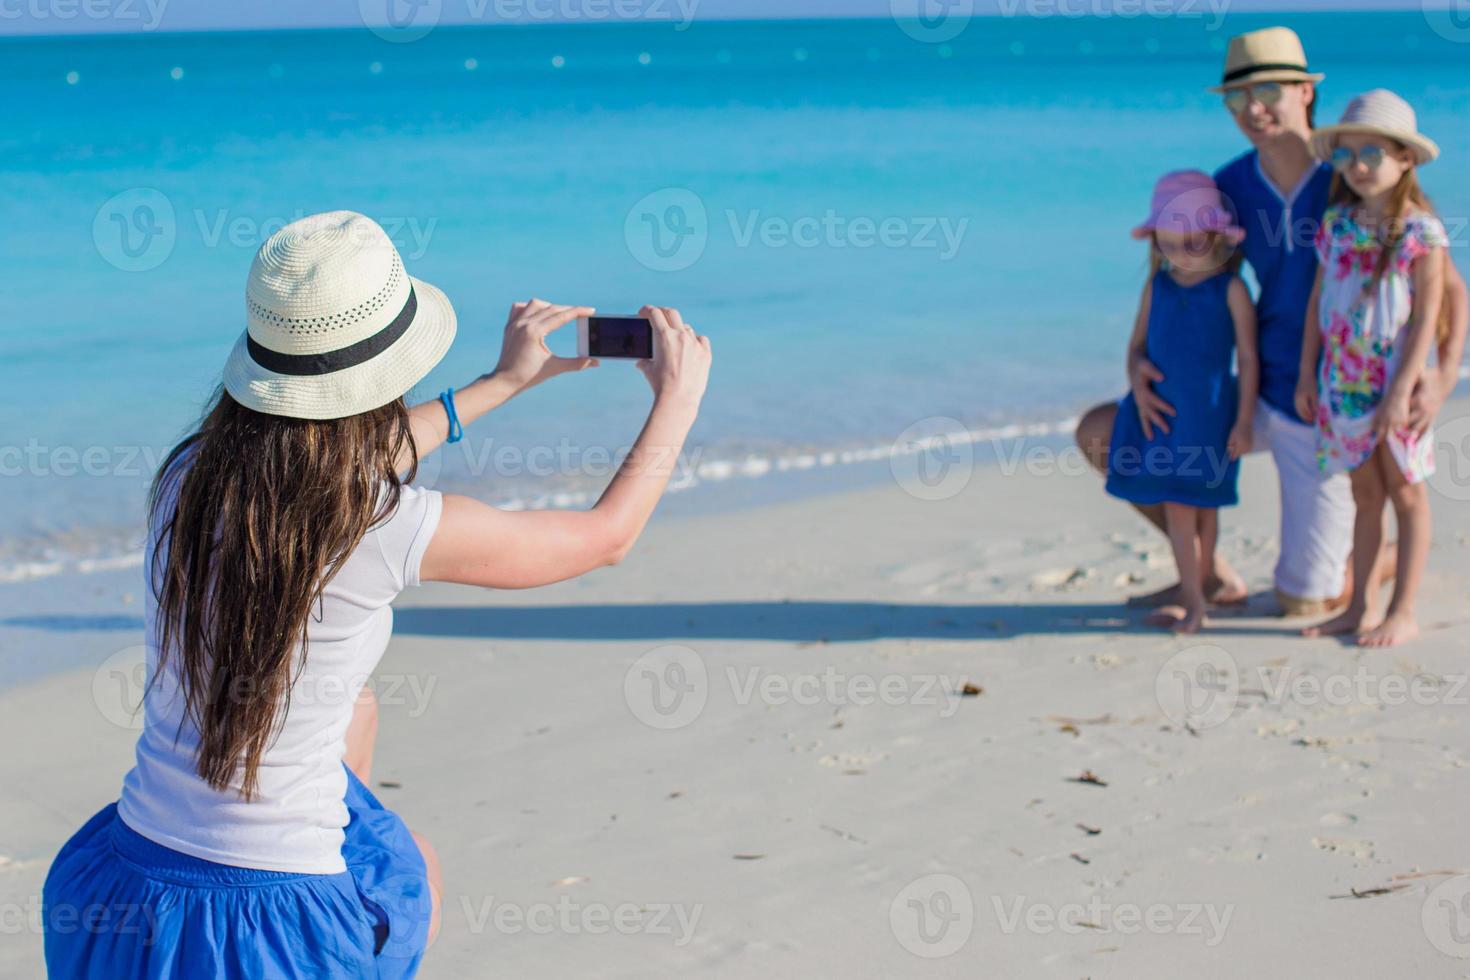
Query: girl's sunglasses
{"x": 1342, "y": 158}
{"x": 1266, "y": 93}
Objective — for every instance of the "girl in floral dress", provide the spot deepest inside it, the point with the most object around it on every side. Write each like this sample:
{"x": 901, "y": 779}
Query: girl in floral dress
{"x": 1371, "y": 322}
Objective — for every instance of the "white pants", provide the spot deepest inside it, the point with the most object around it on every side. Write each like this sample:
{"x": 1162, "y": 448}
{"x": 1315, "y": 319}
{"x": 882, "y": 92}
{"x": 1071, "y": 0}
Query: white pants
{"x": 1317, "y": 511}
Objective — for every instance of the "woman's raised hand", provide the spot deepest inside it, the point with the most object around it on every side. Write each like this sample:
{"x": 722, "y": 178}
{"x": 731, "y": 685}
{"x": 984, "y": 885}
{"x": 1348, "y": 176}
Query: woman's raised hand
{"x": 679, "y": 369}
{"x": 525, "y": 360}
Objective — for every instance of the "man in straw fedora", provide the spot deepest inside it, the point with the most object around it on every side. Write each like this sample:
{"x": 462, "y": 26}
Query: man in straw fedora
{"x": 1278, "y": 190}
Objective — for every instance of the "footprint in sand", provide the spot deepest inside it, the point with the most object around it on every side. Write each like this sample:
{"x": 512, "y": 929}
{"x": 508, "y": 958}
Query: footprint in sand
{"x": 851, "y": 760}
{"x": 1353, "y": 847}
{"x": 1060, "y": 578}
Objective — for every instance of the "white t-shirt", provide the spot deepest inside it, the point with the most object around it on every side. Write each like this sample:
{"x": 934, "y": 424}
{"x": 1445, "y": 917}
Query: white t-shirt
{"x": 296, "y": 822}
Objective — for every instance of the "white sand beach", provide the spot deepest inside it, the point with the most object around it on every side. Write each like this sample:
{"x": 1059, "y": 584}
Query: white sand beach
{"x": 813, "y": 797}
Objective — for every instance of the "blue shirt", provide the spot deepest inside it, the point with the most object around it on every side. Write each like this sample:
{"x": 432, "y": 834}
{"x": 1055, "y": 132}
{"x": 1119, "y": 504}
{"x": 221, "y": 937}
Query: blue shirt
{"x": 1279, "y": 233}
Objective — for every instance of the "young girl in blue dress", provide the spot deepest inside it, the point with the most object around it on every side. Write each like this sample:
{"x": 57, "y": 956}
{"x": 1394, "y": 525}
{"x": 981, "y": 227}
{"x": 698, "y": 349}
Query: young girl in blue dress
{"x": 1195, "y": 316}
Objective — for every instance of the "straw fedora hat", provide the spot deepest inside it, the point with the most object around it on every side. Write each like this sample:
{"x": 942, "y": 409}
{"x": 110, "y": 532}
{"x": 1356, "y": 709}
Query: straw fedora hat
{"x": 1377, "y": 113}
{"x": 1272, "y": 54}
{"x": 334, "y": 325}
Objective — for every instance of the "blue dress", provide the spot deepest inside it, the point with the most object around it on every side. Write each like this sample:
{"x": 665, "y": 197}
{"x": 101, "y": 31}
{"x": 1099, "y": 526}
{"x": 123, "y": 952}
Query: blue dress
{"x": 1191, "y": 340}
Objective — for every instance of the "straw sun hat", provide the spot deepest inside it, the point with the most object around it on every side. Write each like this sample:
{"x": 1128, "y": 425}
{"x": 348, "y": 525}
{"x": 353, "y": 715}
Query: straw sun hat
{"x": 334, "y": 325}
{"x": 1377, "y": 113}
{"x": 1273, "y": 54}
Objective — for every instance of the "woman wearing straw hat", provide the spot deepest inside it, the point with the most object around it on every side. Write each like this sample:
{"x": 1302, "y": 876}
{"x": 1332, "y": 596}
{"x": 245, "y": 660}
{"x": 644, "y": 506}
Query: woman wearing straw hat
{"x": 1278, "y": 191}
{"x": 245, "y": 842}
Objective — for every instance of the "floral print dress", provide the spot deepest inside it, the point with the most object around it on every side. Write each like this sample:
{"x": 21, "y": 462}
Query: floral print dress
{"x": 1364, "y": 330}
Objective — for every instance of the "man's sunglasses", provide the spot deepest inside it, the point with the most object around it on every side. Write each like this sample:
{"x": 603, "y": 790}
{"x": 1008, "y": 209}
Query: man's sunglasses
{"x": 1370, "y": 156}
{"x": 1266, "y": 93}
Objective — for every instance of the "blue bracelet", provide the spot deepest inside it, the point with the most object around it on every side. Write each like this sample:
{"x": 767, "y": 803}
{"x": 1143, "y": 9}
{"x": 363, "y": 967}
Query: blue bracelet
{"x": 456, "y": 431}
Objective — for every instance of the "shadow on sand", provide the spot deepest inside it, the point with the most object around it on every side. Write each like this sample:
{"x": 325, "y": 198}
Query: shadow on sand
{"x": 793, "y": 621}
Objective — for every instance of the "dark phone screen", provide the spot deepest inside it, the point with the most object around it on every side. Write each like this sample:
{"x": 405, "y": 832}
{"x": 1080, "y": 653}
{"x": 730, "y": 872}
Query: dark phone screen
{"x": 619, "y": 336}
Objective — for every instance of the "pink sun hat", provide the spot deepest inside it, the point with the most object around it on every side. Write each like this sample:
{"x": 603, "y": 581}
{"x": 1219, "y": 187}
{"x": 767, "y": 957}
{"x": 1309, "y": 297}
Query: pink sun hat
{"x": 1188, "y": 201}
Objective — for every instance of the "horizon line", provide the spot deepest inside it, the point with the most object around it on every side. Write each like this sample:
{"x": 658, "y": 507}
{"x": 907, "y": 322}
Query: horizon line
{"x": 1298, "y": 7}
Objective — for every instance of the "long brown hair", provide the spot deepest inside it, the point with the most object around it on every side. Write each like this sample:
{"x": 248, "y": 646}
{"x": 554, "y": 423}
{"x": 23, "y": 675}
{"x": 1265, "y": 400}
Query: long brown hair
{"x": 1407, "y": 195}
{"x": 267, "y": 510}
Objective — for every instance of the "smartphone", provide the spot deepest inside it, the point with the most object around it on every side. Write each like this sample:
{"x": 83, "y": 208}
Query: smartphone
{"x": 614, "y": 336}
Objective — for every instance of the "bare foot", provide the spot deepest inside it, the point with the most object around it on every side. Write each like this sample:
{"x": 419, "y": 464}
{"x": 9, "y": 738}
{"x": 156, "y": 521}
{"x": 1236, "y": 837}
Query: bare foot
{"x": 1166, "y": 616}
{"x": 1350, "y": 620}
{"x": 1192, "y": 621}
{"x": 1399, "y": 627}
{"x": 1227, "y": 591}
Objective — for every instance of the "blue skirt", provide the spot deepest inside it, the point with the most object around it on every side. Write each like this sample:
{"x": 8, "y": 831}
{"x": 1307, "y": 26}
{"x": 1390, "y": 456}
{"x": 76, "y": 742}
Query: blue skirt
{"x": 116, "y": 905}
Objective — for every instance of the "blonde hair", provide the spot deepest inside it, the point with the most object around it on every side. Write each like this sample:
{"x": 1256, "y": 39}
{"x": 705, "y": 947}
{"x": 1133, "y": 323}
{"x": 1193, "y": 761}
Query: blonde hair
{"x": 1406, "y": 195}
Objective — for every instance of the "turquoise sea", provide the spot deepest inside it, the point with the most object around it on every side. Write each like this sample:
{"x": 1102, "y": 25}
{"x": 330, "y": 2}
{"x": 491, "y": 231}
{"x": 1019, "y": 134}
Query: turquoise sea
{"x": 874, "y": 229}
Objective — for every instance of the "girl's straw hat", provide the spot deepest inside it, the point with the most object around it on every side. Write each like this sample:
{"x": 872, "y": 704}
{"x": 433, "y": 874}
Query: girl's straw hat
{"x": 1377, "y": 113}
{"x": 1273, "y": 54}
{"x": 1188, "y": 201}
{"x": 334, "y": 325}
